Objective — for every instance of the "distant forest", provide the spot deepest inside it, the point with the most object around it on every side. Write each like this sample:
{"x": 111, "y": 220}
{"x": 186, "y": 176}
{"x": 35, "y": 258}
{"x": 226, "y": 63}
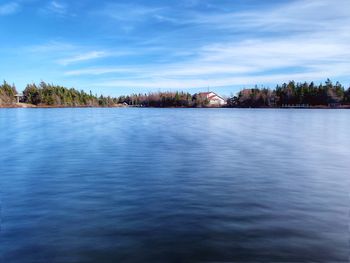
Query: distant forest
{"x": 325, "y": 94}
{"x": 57, "y": 96}
{"x": 292, "y": 93}
{"x": 52, "y": 95}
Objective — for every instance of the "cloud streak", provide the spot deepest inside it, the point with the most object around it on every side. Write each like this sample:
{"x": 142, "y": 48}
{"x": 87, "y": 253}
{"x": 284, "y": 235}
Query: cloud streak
{"x": 9, "y": 8}
{"x": 83, "y": 57}
{"x": 302, "y": 40}
{"x": 129, "y": 12}
{"x": 55, "y": 7}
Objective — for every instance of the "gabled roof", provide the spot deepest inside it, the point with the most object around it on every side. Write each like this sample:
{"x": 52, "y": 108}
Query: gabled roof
{"x": 204, "y": 93}
{"x": 212, "y": 96}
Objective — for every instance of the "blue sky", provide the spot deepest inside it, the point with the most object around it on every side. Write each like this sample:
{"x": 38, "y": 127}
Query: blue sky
{"x": 121, "y": 47}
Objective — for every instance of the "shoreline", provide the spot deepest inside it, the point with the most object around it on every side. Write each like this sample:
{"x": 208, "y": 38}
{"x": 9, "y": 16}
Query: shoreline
{"x": 32, "y": 106}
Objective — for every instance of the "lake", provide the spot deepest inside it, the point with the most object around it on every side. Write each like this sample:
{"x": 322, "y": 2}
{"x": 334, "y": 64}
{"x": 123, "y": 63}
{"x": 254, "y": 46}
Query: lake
{"x": 174, "y": 185}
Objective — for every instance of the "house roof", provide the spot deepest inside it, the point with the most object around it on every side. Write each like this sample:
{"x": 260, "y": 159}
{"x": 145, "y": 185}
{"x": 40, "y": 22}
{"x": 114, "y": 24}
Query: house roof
{"x": 212, "y": 96}
{"x": 204, "y": 93}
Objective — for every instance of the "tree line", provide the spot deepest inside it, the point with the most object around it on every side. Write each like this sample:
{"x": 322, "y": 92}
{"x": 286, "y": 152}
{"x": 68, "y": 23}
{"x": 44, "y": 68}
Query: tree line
{"x": 292, "y": 93}
{"x": 53, "y": 95}
{"x": 46, "y": 94}
{"x": 164, "y": 99}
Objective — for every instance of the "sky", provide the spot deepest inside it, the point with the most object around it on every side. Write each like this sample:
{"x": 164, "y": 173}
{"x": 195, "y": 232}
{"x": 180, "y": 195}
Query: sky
{"x": 123, "y": 47}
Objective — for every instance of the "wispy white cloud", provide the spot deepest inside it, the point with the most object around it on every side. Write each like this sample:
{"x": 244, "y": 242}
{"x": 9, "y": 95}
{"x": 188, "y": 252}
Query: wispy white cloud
{"x": 56, "y": 7}
{"x": 214, "y": 81}
{"x": 243, "y": 63}
{"x": 52, "y": 47}
{"x": 169, "y": 83}
{"x": 83, "y": 57}
{"x": 129, "y": 16}
{"x": 301, "y": 40}
{"x": 128, "y": 12}
{"x": 180, "y": 70}
{"x": 289, "y": 17}
{"x": 98, "y": 71}
{"x": 65, "y": 54}
{"x": 9, "y": 8}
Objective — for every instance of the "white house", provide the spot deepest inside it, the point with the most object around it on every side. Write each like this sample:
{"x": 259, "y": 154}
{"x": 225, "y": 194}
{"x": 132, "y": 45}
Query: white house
{"x": 213, "y": 98}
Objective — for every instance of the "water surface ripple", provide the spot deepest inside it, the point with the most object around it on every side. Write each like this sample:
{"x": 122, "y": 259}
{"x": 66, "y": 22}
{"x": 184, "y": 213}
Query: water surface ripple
{"x": 174, "y": 185}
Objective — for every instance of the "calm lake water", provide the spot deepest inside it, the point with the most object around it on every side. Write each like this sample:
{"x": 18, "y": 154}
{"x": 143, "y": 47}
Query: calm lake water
{"x": 174, "y": 185}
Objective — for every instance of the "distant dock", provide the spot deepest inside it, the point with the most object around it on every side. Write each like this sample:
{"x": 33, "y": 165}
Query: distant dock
{"x": 298, "y": 106}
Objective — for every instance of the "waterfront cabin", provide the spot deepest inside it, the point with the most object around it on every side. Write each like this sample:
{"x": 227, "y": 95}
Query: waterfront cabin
{"x": 214, "y": 100}
{"x": 19, "y": 97}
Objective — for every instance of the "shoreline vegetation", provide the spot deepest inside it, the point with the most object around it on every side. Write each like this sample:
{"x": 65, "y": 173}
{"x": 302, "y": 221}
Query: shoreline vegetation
{"x": 287, "y": 95}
